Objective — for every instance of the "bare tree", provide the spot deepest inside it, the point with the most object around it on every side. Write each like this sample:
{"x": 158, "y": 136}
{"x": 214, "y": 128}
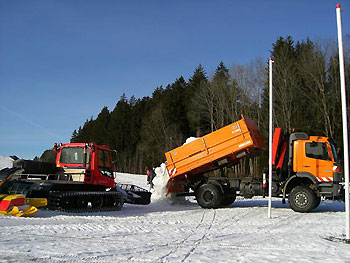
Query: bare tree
{"x": 159, "y": 135}
{"x": 250, "y": 80}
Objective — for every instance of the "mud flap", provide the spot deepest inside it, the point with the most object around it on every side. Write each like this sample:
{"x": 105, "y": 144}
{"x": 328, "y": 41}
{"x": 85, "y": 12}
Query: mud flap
{"x": 174, "y": 186}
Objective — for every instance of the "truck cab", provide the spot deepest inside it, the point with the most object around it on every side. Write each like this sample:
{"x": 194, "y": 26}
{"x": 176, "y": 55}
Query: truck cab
{"x": 311, "y": 172}
{"x": 317, "y": 157}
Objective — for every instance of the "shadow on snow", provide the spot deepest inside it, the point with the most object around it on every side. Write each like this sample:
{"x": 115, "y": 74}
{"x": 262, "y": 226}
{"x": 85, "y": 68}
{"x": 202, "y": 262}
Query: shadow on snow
{"x": 159, "y": 207}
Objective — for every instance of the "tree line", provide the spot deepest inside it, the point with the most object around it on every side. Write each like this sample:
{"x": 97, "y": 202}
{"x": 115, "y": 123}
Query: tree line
{"x": 306, "y": 98}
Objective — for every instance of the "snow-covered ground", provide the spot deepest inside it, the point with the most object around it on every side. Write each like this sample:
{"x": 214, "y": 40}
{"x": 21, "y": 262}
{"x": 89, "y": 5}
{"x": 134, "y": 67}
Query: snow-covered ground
{"x": 161, "y": 232}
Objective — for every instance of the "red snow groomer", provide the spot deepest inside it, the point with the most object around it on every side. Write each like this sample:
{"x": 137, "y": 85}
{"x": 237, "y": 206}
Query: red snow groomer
{"x": 82, "y": 179}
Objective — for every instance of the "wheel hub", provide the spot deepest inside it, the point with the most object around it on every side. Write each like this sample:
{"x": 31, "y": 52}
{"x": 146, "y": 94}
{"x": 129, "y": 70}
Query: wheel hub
{"x": 208, "y": 196}
{"x": 301, "y": 199}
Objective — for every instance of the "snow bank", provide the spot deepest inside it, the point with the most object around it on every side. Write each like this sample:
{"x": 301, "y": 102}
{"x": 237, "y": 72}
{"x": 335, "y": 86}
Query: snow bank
{"x": 5, "y": 162}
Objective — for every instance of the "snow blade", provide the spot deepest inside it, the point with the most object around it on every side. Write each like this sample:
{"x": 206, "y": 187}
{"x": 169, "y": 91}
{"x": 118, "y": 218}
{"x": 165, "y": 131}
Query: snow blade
{"x": 135, "y": 194}
{"x": 18, "y": 205}
{"x": 15, "y": 211}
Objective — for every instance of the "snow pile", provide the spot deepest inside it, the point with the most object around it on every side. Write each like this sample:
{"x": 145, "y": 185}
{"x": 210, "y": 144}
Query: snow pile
{"x": 159, "y": 191}
{"x": 5, "y": 162}
{"x": 191, "y": 139}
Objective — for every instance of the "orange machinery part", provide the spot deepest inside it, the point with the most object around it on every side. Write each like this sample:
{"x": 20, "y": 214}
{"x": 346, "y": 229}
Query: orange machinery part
{"x": 220, "y": 148}
{"x": 276, "y": 144}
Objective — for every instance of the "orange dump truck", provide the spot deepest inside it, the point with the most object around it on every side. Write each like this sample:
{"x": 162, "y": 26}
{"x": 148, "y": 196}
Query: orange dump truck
{"x": 305, "y": 167}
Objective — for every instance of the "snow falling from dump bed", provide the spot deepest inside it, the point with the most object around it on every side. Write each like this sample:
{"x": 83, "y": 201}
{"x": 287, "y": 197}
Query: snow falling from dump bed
{"x": 159, "y": 191}
{"x": 160, "y": 181}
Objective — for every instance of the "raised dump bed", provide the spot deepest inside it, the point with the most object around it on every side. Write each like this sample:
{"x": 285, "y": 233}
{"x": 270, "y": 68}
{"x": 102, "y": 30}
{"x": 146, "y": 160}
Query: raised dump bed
{"x": 220, "y": 148}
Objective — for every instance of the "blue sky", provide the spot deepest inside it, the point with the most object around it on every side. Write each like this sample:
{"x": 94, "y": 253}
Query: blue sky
{"x": 62, "y": 61}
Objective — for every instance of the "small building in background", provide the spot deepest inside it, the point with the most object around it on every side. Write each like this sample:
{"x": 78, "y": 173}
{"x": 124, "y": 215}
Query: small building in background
{"x": 7, "y": 161}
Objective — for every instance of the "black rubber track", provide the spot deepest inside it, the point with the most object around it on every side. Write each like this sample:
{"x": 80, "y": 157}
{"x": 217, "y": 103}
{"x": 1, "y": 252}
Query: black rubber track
{"x": 69, "y": 201}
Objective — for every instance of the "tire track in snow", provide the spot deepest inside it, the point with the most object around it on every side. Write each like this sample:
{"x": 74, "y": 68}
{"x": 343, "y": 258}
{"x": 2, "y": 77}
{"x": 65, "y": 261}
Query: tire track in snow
{"x": 56, "y": 257}
{"x": 180, "y": 243}
{"x": 186, "y": 234}
{"x": 236, "y": 217}
{"x": 105, "y": 233}
{"x": 200, "y": 240}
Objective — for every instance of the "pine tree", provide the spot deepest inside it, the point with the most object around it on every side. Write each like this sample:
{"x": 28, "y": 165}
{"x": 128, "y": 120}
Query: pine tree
{"x": 75, "y": 136}
{"x": 221, "y": 73}
{"x": 285, "y": 82}
{"x": 195, "y": 112}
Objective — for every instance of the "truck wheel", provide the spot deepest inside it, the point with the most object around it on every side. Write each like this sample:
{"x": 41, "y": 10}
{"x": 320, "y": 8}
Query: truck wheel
{"x": 229, "y": 197}
{"x": 209, "y": 196}
{"x": 302, "y": 199}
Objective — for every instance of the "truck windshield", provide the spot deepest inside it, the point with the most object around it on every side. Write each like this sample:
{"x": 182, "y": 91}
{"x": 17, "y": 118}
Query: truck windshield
{"x": 317, "y": 150}
{"x": 74, "y": 155}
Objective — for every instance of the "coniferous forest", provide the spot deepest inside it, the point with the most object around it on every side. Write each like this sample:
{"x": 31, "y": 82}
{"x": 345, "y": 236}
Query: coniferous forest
{"x": 306, "y": 86}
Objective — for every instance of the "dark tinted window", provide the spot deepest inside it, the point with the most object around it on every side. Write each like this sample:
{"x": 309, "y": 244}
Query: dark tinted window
{"x": 317, "y": 150}
{"x": 104, "y": 162}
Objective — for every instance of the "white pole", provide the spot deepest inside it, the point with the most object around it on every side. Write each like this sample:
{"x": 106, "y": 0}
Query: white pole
{"x": 270, "y": 138}
{"x": 345, "y": 121}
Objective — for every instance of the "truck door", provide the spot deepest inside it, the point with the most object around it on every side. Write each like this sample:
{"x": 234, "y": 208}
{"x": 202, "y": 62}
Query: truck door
{"x": 317, "y": 161}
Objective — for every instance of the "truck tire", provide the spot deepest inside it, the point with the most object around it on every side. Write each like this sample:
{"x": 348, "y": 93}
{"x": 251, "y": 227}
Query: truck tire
{"x": 209, "y": 196}
{"x": 229, "y": 197}
{"x": 317, "y": 201}
{"x": 302, "y": 199}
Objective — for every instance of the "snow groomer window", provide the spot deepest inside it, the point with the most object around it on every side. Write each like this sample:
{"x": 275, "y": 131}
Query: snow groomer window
{"x": 104, "y": 163}
{"x": 74, "y": 155}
